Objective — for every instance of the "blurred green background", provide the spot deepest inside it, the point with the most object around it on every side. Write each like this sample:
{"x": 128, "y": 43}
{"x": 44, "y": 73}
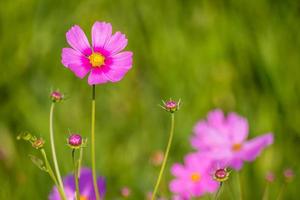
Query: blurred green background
{"x": 236, "y": 55}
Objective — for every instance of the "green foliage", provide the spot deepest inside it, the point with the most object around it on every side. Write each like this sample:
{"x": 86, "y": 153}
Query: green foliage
{"x": 240, "y": 56}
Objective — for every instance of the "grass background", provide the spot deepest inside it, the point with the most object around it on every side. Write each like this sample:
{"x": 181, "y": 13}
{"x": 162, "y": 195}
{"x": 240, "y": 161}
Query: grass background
{"x": 236, "y": 55}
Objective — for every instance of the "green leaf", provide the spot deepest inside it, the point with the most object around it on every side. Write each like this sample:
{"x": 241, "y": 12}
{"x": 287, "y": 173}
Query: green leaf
{"x": 38, "y": 162}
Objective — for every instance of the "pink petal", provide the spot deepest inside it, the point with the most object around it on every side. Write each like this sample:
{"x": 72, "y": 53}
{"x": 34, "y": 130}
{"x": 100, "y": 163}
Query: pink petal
{"x": 211, "y": 185}
{"x": 236, "y": 163}
{"x": 116, "y": 43}
{"x": 178, "y": 170}
{"x": 115, "y": 75}
{"x": 122, "y": 60}
{"x": 208, "y": 137}
{"x": 78, "y": 40}
{"x": 177, "y": 186}
{"x": 101, "y": 33}
{"x": 254, "y": 147}
{"x": 75, "y": 61}
{"x": 97, "y": 76}
{"x": 238, "y": 127}
{"x": 215, "y": 118}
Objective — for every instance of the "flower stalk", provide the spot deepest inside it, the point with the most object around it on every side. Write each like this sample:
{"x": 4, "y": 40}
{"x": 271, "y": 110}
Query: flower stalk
{"x": 93, "y": 154}
{"x": 240, "y": 185}
{"x": 219, "y": 191}
{"x": 75, "y": 165}
{"x": 52, "y": 175}
{"x": 166, "y": 156}
{"x": 59, "y": 180}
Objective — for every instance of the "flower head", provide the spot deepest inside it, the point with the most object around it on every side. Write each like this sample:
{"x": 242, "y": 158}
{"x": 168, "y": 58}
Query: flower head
{"x": 270, "y": 177}
{"x": 221, "y": 174}
{"x": 75, "y": 141}
{"x": 225, "y": 139}
{"x": 125, "y": 192}
{"x": 56, "y": 96}
{"x": 193, "y": 178}
{"x": 288, "y": 175}
{"x": 157, "y": 158}
{"x": 85, "y": 186}
{"x": 171, "y": 105}
{"x": 38, "y": 143}
{"x": 103, "y": 59}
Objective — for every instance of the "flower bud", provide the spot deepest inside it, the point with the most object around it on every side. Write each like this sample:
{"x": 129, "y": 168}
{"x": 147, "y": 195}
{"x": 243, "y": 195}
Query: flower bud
{"x": 38, "y": 143}
{"x": 157, "y": 158}
{"x": 125, "y": 192}
{"x": 75, "y": 141}
{"x": 171, "y": 106}
{"x": 288, "y": 175}
{"x": 56, "y": 96}
{"x": 270, "y": 177}
{"x": 221, "y": 174}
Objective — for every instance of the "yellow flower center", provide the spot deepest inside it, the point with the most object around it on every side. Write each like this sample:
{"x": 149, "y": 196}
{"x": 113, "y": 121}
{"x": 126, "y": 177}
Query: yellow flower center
{"x": 83, "y": 198}
{"x": 236, "y": 147}
{"x": 195, "y": 177}
{"x": 96, "y": 59}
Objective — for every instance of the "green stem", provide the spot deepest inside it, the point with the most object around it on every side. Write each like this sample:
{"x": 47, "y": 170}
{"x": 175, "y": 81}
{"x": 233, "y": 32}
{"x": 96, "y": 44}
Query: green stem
{"x": 93, "y": 144}
{"x": 53, "y": 148}
{"x": 76, "y": 175}
{"x": 165, "y": 158}
{"x": 80, "y": 161}
{"x": 281, "y": 192}
{"x": 51, "y": 174}
{"x": 218, "y": 192}
{"x": 240, "y": 185}
{"x": 266, "y": 192}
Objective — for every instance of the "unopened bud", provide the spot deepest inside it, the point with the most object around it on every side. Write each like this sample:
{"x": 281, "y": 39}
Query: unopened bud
{"x": 171, "y": 106}
{"x": 221, "y": 175}
{"x": 289, "y": 175}
{"x": 56, "y": 96}
{"x": 75, "y": 141}
{"x": 38, "y": 143}
{"x": 125, "y": 192}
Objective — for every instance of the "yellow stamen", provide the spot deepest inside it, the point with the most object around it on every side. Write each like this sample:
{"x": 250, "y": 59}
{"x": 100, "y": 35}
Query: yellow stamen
{"x": 83, "y": 198}
{"x": 236, "y": 147}
{"x": 195, "y": 177}
{"x": 96, "y": 59}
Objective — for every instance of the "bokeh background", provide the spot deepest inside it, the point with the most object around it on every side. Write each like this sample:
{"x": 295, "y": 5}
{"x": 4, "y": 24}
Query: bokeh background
{"x": 236, "y": 55}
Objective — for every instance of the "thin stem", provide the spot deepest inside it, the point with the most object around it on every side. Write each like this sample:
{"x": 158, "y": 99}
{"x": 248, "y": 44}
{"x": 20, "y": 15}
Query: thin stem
{"x": 51, "y": 174}
{"x": 281, "y": 192}
{"x": 266, "y": 192}
{"x": 165, "y": 158}
{"x": 240, "y": 185}
{"x": 76, "y": 175}
{"x": 53, "y": 148}
{"x": 93, "y": 154}
{"x": 218, "y": 192}
{"x": 80, "y": 161}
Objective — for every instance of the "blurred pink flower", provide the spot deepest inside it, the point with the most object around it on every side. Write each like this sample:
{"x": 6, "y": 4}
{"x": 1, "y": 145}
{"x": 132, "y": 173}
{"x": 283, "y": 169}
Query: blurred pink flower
{"x": 125, "y": 192}
{"x": 288, "y": 174}
{"x": 224, "y": 138}
{"x": 104, "y": 59}
{"x": 270, "y": 177}
{"x": 157, "y": 158}
{"x": 193, "y": 179}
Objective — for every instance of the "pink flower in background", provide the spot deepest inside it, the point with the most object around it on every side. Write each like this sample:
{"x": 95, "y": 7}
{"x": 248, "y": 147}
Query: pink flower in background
{"x": 103, "y": 59}
{"x": 86, "y": 188}
{"x": 193, "y": 179}
{"x": 224, "y": 138}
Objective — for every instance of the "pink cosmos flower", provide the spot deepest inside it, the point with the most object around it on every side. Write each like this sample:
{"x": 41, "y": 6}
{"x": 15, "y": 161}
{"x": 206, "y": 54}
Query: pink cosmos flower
{"x": 103, "y": 59}
{"x": 193, "y": 179}
{"x": 224, "y": 138}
